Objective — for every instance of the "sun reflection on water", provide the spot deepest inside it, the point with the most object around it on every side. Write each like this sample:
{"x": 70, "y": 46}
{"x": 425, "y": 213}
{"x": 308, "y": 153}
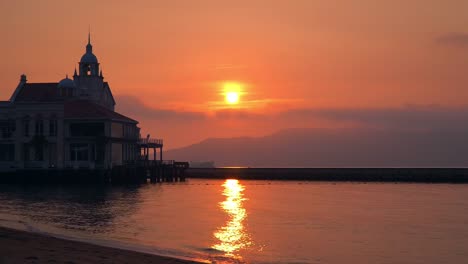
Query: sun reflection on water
{"x": 232, "y": 236}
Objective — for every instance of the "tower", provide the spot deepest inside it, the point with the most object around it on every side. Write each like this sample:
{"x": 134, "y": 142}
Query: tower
{"x": 89, "y": 80}
{"x": 89, "y": 65}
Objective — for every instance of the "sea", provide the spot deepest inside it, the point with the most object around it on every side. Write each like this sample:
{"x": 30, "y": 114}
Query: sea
{"x": 246, "y": 221}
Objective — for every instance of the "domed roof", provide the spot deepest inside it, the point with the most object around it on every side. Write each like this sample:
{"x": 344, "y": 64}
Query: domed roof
{"x": 89, "y": 58}
{"x": 66, "y": 83}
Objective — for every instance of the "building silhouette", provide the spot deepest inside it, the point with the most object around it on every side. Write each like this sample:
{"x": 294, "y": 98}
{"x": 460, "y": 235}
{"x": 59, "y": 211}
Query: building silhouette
{"x": 66, "y": 124}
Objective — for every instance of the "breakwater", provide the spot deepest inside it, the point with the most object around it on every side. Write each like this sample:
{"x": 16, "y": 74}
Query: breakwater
{"x": 430, "y": 175}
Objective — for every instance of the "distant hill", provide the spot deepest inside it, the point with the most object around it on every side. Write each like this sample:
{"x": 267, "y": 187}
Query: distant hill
{"x": 334, "y": 148}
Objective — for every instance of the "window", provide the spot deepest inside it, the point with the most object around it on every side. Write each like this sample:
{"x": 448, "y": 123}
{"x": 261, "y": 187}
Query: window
{"x": 88, "y": 70}
{"x": 39, "y": 127}
{"x": 53, "y": 128}
{"x": 7, "y": 152}
{"x": 7, "y": 128}
{"x": 39, "y": 153}
{"x": 79, "y": 152}
{"x": 87, "y": 129}
{"x": 26, "y": 152}
{"x": 26, "y": 127}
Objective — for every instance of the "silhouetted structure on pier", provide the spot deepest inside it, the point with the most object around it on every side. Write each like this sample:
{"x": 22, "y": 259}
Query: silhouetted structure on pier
{"x": 69, "y": 131}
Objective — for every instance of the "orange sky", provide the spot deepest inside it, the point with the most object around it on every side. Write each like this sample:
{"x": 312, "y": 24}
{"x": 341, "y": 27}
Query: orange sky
{"x": 297, "y": 54}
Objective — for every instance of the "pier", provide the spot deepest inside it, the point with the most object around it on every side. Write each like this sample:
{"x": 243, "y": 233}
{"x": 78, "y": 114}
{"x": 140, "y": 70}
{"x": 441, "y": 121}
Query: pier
{"x": 150, "y": 171}
{"x": 157, "y": 169}
{"x": 138, "y": 173}
{"x": 148, "y": 167}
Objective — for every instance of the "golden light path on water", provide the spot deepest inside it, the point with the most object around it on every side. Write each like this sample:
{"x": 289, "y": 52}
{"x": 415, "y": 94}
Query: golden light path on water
{"x": 232, "y": 236}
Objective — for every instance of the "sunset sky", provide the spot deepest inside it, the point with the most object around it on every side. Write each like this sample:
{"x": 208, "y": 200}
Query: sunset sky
{"x": 294, "y": 63}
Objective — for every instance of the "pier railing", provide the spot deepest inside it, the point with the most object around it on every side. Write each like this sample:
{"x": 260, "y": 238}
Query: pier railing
{"x": 155, "y": 162}
{"x": 150, "y": 141}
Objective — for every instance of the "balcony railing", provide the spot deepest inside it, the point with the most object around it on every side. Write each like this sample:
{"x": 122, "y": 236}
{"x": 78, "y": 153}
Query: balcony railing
{"x": 150, "y": 141}
{"x": 144, "y": 162}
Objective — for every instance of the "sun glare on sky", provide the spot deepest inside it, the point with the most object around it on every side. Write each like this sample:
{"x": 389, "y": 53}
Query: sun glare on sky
{"x": 232, "y": 98}
{"x": 232, "y": 92}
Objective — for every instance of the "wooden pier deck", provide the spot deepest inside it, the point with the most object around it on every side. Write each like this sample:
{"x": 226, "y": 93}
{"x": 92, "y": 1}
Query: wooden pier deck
{"x": 150, "y": 171}
{"x": 138, "y": 173}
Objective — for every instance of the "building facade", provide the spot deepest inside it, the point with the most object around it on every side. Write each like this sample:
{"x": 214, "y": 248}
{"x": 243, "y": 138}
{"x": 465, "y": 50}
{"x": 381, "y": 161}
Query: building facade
{"x": 66, "y": 124}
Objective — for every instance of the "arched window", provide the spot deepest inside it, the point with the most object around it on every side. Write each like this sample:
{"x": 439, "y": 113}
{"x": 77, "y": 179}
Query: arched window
{"x": 39, "y": 125}
{"x": 25, "y": 125}
{"x": 88, "y": 70}
{"x": 53, "y": 126}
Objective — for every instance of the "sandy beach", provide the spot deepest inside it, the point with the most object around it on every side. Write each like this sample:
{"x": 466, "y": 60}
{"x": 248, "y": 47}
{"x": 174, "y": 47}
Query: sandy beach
{"x": 24, "y": 247}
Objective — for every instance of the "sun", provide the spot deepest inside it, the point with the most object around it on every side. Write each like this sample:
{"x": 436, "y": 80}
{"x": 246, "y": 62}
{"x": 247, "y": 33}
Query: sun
{"x": 232, "y": 92}
{"x": 232, "y": 97}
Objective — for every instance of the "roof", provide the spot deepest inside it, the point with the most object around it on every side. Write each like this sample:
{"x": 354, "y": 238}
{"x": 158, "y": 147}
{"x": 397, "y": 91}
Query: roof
{"x": 80, "y": 109}
{"x": 66, "y": 83}
{"x": 89, "y": 58}
{"x": 106, "y": 86}
{"x": 38, "y": 92}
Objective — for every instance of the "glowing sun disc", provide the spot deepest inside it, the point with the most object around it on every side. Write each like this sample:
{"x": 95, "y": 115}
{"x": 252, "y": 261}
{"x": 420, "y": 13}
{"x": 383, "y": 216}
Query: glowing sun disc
{"x": 232, "y": 97}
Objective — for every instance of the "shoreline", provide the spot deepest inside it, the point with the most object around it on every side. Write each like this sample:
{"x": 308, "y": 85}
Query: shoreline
{"x": 17, "y": 246}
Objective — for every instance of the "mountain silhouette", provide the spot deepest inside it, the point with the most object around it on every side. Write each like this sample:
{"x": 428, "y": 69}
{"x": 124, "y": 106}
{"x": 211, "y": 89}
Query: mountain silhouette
{"x": 357, "y": 147}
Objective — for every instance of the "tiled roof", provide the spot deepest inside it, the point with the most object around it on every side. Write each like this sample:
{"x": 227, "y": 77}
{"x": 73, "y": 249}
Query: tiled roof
{"x": 38, "y": 92}
{"x": 80, "y": 109}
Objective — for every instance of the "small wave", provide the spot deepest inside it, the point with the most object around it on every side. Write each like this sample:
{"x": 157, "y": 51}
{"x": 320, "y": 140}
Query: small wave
{"x": 32, "y": 228}
{"x": 219, "y": 256}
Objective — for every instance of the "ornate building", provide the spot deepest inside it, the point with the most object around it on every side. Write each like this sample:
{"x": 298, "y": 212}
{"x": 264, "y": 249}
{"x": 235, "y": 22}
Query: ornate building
{"x": 69, "y": 124}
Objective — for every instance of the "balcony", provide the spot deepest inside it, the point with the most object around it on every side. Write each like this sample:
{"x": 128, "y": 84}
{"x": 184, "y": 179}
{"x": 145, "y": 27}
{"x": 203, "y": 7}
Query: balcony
{"x": 150, "y": 142}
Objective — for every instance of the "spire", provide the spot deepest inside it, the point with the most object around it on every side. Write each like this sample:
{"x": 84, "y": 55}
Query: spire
{"x": 100, "y": 74}
{"x": 89, "y": 47}
{"x": 66, "y": 76}
{"x": 75, "y": 74}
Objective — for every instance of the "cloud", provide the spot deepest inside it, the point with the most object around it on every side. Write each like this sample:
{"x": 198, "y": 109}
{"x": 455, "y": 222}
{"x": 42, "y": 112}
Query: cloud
{"x": 134, "y": 107}
{"x": 181, "y": 128}
{"x": 229, "y": 66}
{"x": 453, "y": 39}
{"x": 405, "y": 117}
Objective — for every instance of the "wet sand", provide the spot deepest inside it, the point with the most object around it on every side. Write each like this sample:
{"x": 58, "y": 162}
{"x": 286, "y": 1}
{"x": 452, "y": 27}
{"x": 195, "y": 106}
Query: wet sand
{"x": 24, "y": 247}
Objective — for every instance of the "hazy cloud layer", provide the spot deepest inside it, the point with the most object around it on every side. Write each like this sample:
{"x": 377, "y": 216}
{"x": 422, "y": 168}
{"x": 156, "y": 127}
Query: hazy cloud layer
{"x": 454, "y": 39}
{"x": 135, "y": 108}
{"x": 408, "y": 117}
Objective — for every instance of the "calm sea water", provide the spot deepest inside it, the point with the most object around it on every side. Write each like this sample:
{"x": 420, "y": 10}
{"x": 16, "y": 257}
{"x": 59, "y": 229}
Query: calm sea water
{"x": 255, "y": 221}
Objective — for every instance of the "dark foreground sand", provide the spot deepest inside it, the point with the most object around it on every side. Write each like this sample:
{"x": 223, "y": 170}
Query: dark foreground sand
{"x": 23, "y": 247}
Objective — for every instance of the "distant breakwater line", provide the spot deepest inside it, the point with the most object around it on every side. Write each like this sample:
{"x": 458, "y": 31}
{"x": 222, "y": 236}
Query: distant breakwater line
{"x": 423, "y": 175}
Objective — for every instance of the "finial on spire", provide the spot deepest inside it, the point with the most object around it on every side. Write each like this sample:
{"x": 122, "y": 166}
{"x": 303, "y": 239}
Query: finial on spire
{"x": 75, "y": 74}
{"x": 66, "y": 76}
{"x": 89, "y": 47}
